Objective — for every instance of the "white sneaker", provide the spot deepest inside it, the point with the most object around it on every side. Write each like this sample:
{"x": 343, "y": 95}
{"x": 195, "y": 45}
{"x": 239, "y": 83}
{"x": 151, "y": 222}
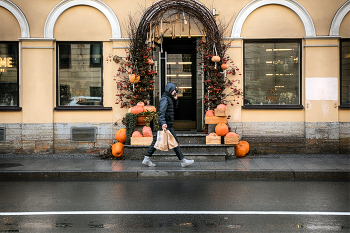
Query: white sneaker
{"x": 147, "y": 161}
{"x": 186, "y": 162}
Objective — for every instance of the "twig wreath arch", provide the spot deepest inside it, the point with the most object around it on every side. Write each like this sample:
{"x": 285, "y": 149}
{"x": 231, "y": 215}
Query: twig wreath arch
{"x": 136, "y": 70}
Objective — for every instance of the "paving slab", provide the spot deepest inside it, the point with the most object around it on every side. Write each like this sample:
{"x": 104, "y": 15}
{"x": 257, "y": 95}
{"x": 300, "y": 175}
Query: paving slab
{"x": 87, "y": 167}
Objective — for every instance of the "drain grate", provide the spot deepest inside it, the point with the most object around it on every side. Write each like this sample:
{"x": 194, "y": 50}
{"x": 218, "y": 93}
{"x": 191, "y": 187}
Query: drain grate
{"x": 83, "y": 134}
{"x": 2, "y": 134}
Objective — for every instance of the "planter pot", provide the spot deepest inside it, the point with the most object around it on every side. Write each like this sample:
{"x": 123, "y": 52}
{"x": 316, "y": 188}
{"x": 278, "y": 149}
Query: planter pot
{"x": 141, "y": 120}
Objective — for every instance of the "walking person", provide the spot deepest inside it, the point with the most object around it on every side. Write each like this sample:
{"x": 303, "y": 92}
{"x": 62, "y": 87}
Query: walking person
{"x": 167, "y": 105}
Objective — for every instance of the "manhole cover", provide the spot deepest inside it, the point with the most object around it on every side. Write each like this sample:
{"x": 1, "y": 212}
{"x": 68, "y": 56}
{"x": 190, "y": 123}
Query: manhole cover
{"x": 5, "y": 165}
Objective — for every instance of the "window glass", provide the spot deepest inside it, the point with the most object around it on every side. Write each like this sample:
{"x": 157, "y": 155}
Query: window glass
{"x": 8, "y": 74}
{"x": 79, "y": 74}
{"x": 345, "y": 72}
{"x": 179, "y": 68}
{"x": 272, "y": 73}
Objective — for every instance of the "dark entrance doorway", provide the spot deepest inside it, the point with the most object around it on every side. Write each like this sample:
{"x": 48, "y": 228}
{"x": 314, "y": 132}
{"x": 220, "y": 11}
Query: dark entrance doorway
{"x": 178, "y": 65}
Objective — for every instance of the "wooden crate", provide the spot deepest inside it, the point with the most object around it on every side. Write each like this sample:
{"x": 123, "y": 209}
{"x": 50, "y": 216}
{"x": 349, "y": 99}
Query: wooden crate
{"x": 213, "y": 139}
{"x": 231, "y": 140}
{"x": 215, "y": 120}
{"x": 220, "y": 112}
{"x": 141, "y": 141}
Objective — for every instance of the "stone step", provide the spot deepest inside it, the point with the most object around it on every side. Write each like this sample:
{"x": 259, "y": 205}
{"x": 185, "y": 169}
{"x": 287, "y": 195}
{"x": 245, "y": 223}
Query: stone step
{"x": 198, "y": 152}
{"x": 171, "y": 157}
{"x": 191, "y": 138}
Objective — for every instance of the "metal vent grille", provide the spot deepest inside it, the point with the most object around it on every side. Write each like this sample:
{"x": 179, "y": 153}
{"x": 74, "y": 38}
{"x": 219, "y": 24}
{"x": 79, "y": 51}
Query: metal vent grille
{"x": 2, "y": 134}
{"x": 83, "y": 134}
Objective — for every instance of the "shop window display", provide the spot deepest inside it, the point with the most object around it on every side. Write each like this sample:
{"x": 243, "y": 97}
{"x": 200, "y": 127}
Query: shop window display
{"x": 272, "y": 73}
{"x": 8, "y": 74}
{"x": 79, "y": 74}
{"x": 345, "y": 72}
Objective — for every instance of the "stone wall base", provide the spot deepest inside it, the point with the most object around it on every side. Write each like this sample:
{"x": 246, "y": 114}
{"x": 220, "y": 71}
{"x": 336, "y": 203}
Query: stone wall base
{"x": 270, "y": 145}
{"x": 54, "y": 138}
{"x": 264, "y": 137}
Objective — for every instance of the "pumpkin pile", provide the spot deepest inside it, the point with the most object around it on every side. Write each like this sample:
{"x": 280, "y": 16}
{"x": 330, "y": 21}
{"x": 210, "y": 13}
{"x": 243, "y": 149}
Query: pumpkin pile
{"x": 241, "y": 149}
{"x": 146, "y": 132}
{"x": 222, "y": 130}
{"x": 118, "y": 148}
{"x": 140, "y": 107}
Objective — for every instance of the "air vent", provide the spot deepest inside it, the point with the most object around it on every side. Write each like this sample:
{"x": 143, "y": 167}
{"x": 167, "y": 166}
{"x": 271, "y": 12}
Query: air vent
{"x": 2, "y": 134}
{"x": 84, "y": 134}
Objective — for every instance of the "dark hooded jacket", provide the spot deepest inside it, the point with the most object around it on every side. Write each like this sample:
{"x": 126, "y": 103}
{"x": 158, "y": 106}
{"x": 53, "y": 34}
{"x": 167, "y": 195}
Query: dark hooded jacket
{"x": 167, "y": 106}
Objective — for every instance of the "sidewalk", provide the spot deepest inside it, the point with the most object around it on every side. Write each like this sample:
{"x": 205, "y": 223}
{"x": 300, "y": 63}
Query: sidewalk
{"x": 91, "y": 167}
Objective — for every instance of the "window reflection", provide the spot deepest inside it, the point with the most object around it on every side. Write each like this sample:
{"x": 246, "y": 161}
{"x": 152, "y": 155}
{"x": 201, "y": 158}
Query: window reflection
{"x": 8, "y": 74}
{"x": 80, "y": 74}
{"x": 345, "y": 72}
{"x": 272, "y": 73}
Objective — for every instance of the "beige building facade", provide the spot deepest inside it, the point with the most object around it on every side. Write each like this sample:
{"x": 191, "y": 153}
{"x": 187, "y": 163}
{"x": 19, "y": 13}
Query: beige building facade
{"x": 58, "y": 89}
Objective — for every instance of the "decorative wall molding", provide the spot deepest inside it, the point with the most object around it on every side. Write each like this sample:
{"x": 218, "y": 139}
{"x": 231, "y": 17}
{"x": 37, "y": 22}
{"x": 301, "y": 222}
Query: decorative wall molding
{"x": 291, "y": 4}
{"x": 21, "y": 18}
{"x": 338, "y": 18}
{"x": 66, "y": 4}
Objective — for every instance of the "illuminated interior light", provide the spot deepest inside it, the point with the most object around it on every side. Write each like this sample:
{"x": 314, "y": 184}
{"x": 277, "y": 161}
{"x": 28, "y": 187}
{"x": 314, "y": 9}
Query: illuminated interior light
{"x": 171, "y": 63}
{"x": 184, "y": 62}
{"x": 171, "y": 75}
{"x": 185, "y": 87}
{"x": 185, "y": 75}
{"x": 270, "y": 50}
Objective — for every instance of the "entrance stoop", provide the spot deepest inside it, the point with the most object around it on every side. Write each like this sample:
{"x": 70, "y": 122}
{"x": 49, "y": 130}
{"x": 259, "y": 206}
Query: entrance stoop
{"x": 192, "y": 146}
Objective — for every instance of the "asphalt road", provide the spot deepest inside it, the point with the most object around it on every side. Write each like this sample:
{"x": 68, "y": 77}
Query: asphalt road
{"x": 175, "y": 206}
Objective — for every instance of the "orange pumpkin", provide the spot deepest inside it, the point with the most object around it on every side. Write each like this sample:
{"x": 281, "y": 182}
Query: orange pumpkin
{"x": 136, "y": 134}
{"x": 210, "y": 113}
{"x": 221, "y": 129}
{"x": 140, "y": 104}
{"x": 223, "y": 106}
{"x": 240, "y": 150}
{"x": 136, "y": 110}
{"x": 120, "y": 136}
{"x": 224, "y": 66}
{"x": 149, "y": 108}
{"x": 147, "y": 131}
{"x": 133, "y": 78}
{"x": 118, "y": 149}
{"x": 215, "y": 58}
{"x": 244, "y": 143}
{"x": 212, "y": 135}
{"x": 233, "y": 134}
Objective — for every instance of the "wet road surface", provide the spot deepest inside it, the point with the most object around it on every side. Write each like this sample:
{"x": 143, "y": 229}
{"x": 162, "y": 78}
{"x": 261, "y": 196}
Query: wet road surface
{"x": 175, "y": 206}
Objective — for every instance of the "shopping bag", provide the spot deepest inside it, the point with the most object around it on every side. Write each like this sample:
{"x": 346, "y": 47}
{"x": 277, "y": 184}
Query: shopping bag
{"x": 162, "y": 141}
{"x": 172, "y": 143}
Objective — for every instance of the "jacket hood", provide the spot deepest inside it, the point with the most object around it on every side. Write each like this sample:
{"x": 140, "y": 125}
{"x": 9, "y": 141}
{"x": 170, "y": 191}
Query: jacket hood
{"x": 169, "y": 88}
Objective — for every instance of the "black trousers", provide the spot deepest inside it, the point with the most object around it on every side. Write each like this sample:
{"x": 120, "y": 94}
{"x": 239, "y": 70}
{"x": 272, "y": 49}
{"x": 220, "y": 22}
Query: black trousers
{"x": 177, "y": 149}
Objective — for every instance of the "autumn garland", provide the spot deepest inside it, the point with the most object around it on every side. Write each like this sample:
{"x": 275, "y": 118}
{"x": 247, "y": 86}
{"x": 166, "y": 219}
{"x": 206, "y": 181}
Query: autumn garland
{"x": 216, "y": 81}
{"x": 139, "y": 63}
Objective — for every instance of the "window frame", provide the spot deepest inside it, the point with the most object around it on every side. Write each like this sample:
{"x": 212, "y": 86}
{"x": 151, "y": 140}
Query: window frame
{"x": 14, "y": 108}
{"x": 343, "y": 106}
{"x": 86, "y": 107}
{"x": 274, "y": 106}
